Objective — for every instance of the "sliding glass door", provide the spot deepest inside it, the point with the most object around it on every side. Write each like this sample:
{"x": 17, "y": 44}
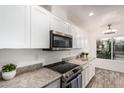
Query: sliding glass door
{"x": 118, "y": 44}
{"x": 111, "y": 48}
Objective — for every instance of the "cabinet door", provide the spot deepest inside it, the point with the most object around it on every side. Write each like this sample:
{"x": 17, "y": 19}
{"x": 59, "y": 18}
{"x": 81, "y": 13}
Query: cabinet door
{"x": 76, "y": 37}
{"x": 91, "y": 70}
{"x": 79, "y": 39}
{"x": 69, "y": 29}
{"x": 58, "y": 24}
{"x": 86, "y": 76}
{"x": 39, "y": 28}
{"x": 83, "y": 79}
{"x": 13, "y": 33}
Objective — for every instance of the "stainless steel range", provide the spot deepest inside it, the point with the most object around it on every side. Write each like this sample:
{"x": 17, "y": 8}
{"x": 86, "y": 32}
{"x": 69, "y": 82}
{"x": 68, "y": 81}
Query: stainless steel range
{"x": 71, "y": 74}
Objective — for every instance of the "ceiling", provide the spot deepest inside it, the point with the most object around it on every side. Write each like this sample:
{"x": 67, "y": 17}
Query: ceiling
{"x": 104, "y": 15}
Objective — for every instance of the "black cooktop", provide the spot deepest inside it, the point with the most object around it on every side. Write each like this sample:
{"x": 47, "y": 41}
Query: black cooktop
{"x": 61, "y": 67}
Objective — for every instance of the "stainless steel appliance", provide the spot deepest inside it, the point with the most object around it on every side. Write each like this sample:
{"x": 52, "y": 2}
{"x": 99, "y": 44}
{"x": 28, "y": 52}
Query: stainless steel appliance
{"x": 71, "y": 74}
{"x": 60, "y": 41}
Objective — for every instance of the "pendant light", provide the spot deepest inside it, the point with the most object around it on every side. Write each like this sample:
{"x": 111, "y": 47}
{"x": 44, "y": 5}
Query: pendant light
{"x": 110, "y": 30}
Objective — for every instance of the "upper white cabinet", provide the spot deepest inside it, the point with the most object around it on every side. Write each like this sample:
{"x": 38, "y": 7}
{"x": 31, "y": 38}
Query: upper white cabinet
{"x": 29, "y": 26}
{"x": 76, "y": 37}
{"x": 13, "y": 31}
{"x": 69, "y": 28}
{"x": 39, "y": 28}
{"x": 58, "y": 24}
{"x": 74, "y": 34}
{"x": 79, "y": 38}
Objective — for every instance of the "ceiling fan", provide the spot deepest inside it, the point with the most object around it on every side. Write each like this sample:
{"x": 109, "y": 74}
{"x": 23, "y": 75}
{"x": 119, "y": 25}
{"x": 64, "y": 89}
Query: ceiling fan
{"x": 110, "y": 30}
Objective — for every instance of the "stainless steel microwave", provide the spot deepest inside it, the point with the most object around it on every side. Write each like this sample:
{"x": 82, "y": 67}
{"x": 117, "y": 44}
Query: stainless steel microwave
{"x": 60, "y": 41}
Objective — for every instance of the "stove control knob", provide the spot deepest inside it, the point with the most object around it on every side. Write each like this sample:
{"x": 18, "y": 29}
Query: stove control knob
{"x": 67, "y": 75}
{"x": 75, "y": 70}
{"x": 71, "y": 73}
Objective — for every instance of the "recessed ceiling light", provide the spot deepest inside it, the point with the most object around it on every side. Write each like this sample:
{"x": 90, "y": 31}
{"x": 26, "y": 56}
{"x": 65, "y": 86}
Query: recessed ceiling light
{"x": 91, "y": 14}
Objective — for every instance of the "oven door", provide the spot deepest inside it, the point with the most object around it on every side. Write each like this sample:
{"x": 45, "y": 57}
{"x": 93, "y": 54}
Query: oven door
{"x": 60, "y": 41}
{"x": 75, "y": 82}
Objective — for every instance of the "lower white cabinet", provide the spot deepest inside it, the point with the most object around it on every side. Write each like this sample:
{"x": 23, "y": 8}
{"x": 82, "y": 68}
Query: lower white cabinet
{"x": 91, "y": 70}
{"x": 87, "y": 73}
{"x": 83, "y": 79}
{"x": 55, "y": 84}
{"x": 87, "y": 76}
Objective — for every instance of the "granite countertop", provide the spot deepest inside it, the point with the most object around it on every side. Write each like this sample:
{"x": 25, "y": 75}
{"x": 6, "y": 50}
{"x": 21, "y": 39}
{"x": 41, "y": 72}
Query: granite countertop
{"x": 34, "y": 79}
{"x": 81, "y": 62}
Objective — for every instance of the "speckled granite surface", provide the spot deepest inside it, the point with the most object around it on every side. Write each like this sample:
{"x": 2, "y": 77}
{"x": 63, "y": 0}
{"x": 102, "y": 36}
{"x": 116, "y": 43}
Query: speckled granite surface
{"x": 34, "y": 79}
{"x": 81, "y": 62}
{"x": 24, "y": 69}
{"x": 29, "y": 68}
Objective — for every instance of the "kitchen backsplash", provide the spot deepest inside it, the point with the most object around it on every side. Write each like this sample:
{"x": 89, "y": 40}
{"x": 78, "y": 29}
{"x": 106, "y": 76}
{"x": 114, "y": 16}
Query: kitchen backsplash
{"x": 24, "y": 57}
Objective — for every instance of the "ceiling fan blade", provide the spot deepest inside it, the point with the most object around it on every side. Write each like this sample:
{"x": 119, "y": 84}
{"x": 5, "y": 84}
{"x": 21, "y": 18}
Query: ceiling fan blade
{"x": 114, "y": 23}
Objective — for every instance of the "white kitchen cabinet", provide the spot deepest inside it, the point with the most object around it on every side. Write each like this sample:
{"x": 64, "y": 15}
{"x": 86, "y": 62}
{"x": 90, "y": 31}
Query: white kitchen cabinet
{"x": 40, "y": 23}
{"x": 91, "y": 70}
{"x": 83, "y": 79}
{"x": 55, "y": 84}
{"x": 82, "y": 43}
{"x": 69, "y": 29}
{"x": 29, "y": 26}
{"x": 58, "y": 24}
{"x": 88, "y": 73}
{"x": 77, "y": 38}
{"x": 86, "y": 76}
{"x": 13, "y": 27}
{"x": 74, "y": 34}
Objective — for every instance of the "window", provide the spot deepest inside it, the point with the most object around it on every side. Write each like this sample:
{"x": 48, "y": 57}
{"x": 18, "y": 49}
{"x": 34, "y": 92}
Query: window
{"x": 104, "y": 48}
